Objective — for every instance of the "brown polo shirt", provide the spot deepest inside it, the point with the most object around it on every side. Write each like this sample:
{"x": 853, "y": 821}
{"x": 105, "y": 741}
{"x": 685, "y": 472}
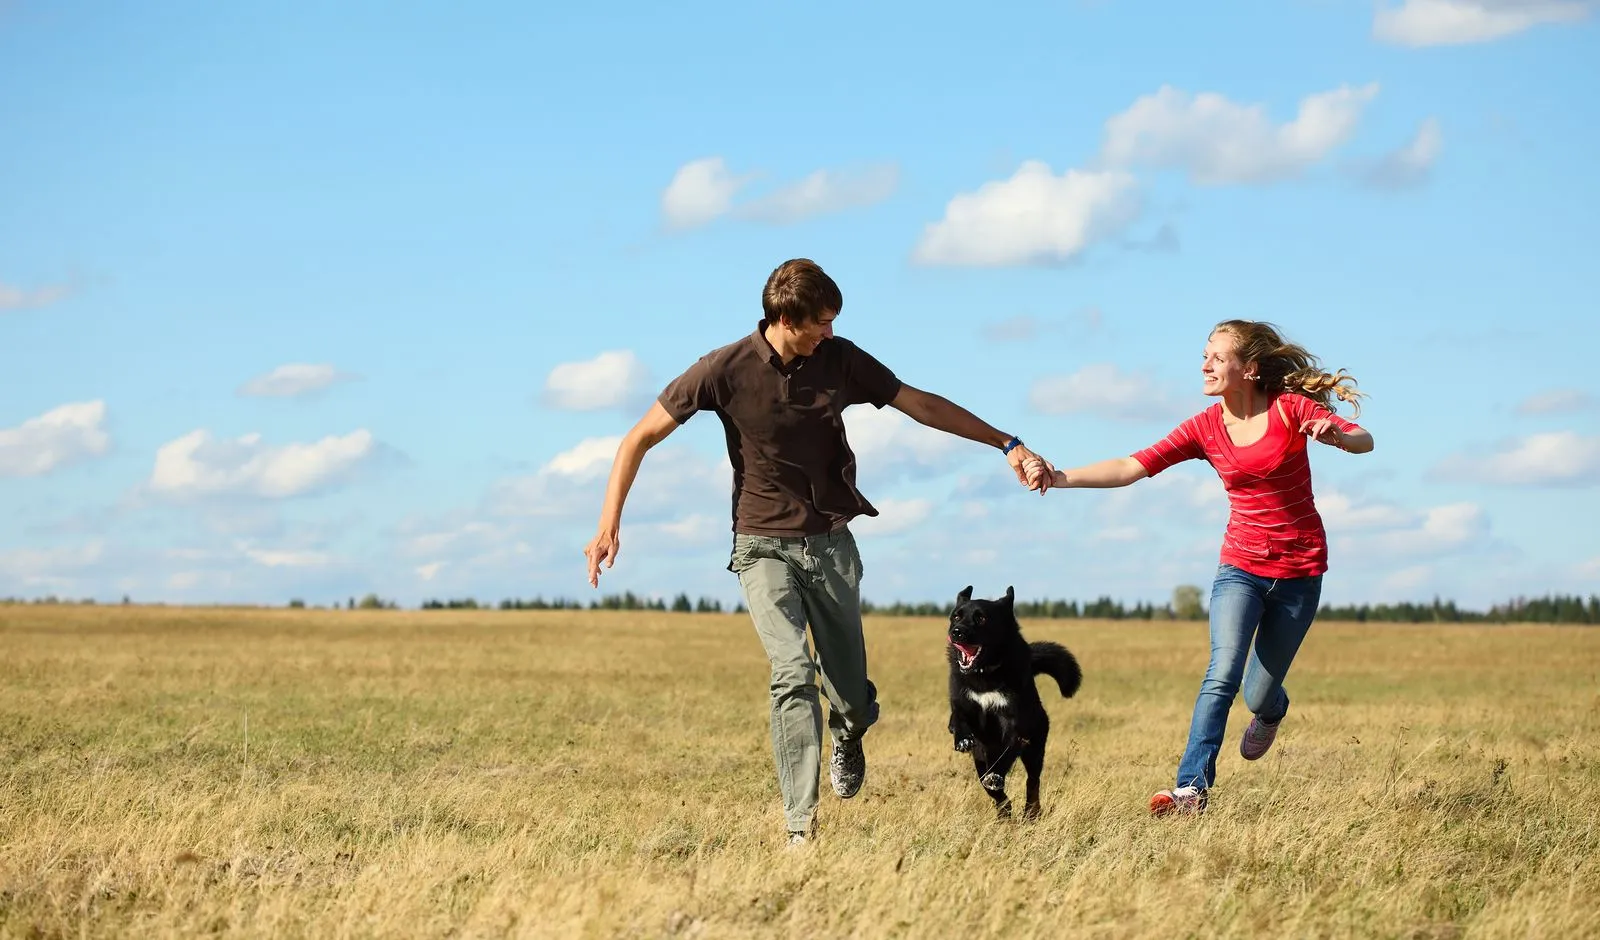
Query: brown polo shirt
{"x": 793, "y": 471}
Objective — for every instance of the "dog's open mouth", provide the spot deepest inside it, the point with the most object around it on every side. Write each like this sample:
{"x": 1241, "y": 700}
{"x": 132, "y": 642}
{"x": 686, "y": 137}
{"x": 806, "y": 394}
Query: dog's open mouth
{"x": 966, "y": 655}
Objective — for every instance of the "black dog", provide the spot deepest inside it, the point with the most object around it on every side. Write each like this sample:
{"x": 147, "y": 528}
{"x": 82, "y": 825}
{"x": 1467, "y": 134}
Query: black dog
{"x": 995, "y": 711}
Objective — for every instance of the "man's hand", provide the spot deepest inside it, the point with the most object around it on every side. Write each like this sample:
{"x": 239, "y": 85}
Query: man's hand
{"x": 1042, "y": 474}
{"x": 1030, "y": 468}
{"x": 603, "y": 548}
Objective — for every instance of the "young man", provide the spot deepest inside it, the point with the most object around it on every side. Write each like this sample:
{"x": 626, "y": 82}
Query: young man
{"x": 780, "y": 392}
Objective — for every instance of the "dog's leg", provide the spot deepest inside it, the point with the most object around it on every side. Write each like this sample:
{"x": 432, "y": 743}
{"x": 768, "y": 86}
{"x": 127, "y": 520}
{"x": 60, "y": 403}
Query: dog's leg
{"x": 993, "y": 783}
{"x": 1033, "y": 760}
{"x": 961, "y": 732}
{"x": 992, "y": 774}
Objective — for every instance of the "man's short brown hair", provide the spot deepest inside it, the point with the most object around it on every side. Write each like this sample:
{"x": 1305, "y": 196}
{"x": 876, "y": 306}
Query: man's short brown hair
{"x": 799, "y": 291}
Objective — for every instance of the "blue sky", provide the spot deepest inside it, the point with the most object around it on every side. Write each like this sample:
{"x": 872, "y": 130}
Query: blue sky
{"x": 299, "y": 301}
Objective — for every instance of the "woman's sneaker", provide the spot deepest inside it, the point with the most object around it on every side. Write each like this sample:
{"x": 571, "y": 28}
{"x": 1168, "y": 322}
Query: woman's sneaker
{"x": 1257, "y": 738}
{"x": 1185, "y": 801}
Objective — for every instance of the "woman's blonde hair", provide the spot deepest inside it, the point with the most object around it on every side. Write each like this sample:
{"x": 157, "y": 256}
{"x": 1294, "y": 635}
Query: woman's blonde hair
{"x": 1283, "y": 366}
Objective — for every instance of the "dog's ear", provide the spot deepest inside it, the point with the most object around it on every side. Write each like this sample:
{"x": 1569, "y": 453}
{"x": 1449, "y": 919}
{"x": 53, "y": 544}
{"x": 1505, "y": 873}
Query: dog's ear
{"x": 1011, "y": 596}
{"x": 965, "y": 595}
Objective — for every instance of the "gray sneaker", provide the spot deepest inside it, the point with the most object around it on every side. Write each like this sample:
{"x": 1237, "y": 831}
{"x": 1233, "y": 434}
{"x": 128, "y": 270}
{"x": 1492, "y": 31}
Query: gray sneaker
{"x": 1257, "y": 738}
{"x": 848, "y": 768}
{"x": 798, "y": 840}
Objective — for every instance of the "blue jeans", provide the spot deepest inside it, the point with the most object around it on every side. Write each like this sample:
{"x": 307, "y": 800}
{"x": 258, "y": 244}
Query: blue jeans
{"x": 1256, "y": 627}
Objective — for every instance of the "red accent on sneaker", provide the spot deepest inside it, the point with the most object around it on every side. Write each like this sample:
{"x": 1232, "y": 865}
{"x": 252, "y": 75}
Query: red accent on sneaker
{"x": 1183, "y": 801}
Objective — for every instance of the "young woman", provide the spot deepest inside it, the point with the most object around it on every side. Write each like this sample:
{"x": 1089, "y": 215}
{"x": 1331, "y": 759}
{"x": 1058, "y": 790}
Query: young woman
{"x": 1274, "y": 396}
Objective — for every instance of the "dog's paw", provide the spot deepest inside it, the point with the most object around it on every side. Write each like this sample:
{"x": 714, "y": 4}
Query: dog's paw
{"x": 964, "y": 744}
{"x": 992, "y": 781}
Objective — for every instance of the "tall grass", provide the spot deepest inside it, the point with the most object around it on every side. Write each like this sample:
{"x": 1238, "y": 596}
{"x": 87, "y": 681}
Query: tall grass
{"x": 168, "y": 772}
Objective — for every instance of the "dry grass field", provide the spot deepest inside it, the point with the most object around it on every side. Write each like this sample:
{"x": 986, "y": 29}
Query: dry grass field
{"x": 175, "y": 772}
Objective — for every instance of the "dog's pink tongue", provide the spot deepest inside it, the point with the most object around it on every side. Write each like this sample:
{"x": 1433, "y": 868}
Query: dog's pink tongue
{"x": 968, "y": 653}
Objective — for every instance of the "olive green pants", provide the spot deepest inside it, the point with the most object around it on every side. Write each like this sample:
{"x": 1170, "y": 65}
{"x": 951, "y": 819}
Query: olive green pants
{"x": 789, "y": 583}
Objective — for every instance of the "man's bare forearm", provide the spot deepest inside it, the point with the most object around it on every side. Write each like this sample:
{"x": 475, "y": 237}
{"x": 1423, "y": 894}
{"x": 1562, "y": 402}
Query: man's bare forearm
{"x": 650, "y": 431}
{"x": 942, "y": 414}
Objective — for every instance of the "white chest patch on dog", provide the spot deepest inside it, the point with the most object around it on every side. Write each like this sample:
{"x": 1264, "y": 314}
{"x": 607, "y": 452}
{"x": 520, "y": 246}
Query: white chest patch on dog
{"x": 993, "y": 701}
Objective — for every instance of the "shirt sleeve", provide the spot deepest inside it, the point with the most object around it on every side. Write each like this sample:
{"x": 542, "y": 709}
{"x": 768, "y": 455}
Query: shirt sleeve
{"x": 695, "y": 390}
{"x": 1182, "y": 444}
{"x": 867, "y": 381}
{"x": 1302, "y": 409}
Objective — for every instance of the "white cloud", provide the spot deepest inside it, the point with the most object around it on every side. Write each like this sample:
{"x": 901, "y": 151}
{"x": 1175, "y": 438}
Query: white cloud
{"x": 1218, "y": 141}
{"x": 676, "y": 535}
{"x": 1441, "y": 529}
{"x": 292, "y": 380}
{"x": 608, "y": 380}
{"x": 700, "y": 191}
{"x": 705, "y": 190}
{"x": 572, "y": 484}
{"x": 1406, "y": 580}
{"x": 1454, "y": 22}
{"x": 1556, "y": 401}
{"x": 1590, "y": 569}
{"x": 282, "y": 558}
{"x": 822, "y": 192}
{"x": 198, "y": 465}
{"x": 894, "y": 517}
{"x": 1025, "y": 328}
{"x": 185, "y": 580}
{"x": 461, "y": 553}
{"x": 1035, "y": 217}
{"x": 1105, "y": 391}
{"x": 50, "y": 567}
{"x": 18, "y": 298}
{"x": 1411, "y": 164}
{"x": 1556, "y": 458}
{"x": 454, "y": 539}
{"x": 1184, "y": 495}
{"x": 886, "y": 439}
{"x": 590, "y": 459}
{"x": 1342, "y": 512}
{"x": 697, "y": 528}
{"x": 58, "y": 437}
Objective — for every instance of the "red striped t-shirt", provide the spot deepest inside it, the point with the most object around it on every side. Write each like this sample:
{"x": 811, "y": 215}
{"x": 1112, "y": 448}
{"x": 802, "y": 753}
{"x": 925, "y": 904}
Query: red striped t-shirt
{"x": 1274, "y": 530}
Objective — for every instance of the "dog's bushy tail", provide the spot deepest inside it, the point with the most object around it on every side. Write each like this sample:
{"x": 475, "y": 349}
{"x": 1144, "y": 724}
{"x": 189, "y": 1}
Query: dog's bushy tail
{"x": 1053, "y": 660}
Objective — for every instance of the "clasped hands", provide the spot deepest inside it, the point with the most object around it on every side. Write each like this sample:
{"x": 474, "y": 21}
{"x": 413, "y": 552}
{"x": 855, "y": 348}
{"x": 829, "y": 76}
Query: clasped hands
{"x": 1032, "y": 470}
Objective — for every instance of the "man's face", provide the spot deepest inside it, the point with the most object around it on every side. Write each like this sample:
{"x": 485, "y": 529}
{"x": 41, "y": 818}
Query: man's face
{"x": 808, "y": 336}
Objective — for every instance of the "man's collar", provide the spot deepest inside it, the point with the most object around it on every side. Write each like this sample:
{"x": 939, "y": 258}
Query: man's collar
{"x": 758, "y": 340}
{"x": 766, "y": 351}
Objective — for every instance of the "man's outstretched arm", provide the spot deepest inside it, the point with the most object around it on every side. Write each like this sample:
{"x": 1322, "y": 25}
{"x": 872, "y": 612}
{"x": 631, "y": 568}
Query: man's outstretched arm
{"x": 939, "y": 412}
{"x": 651, "y": 430}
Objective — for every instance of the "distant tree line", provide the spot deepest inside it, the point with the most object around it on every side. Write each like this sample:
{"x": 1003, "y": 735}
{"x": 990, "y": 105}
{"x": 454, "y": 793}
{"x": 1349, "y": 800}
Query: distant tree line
{"x": 1103, "y": 608}
{"x": 625, "y": 601}
{"x": 53, "y": 599}
{"x": 1555, "y": 608}
{"x": 1185, "y": 605}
